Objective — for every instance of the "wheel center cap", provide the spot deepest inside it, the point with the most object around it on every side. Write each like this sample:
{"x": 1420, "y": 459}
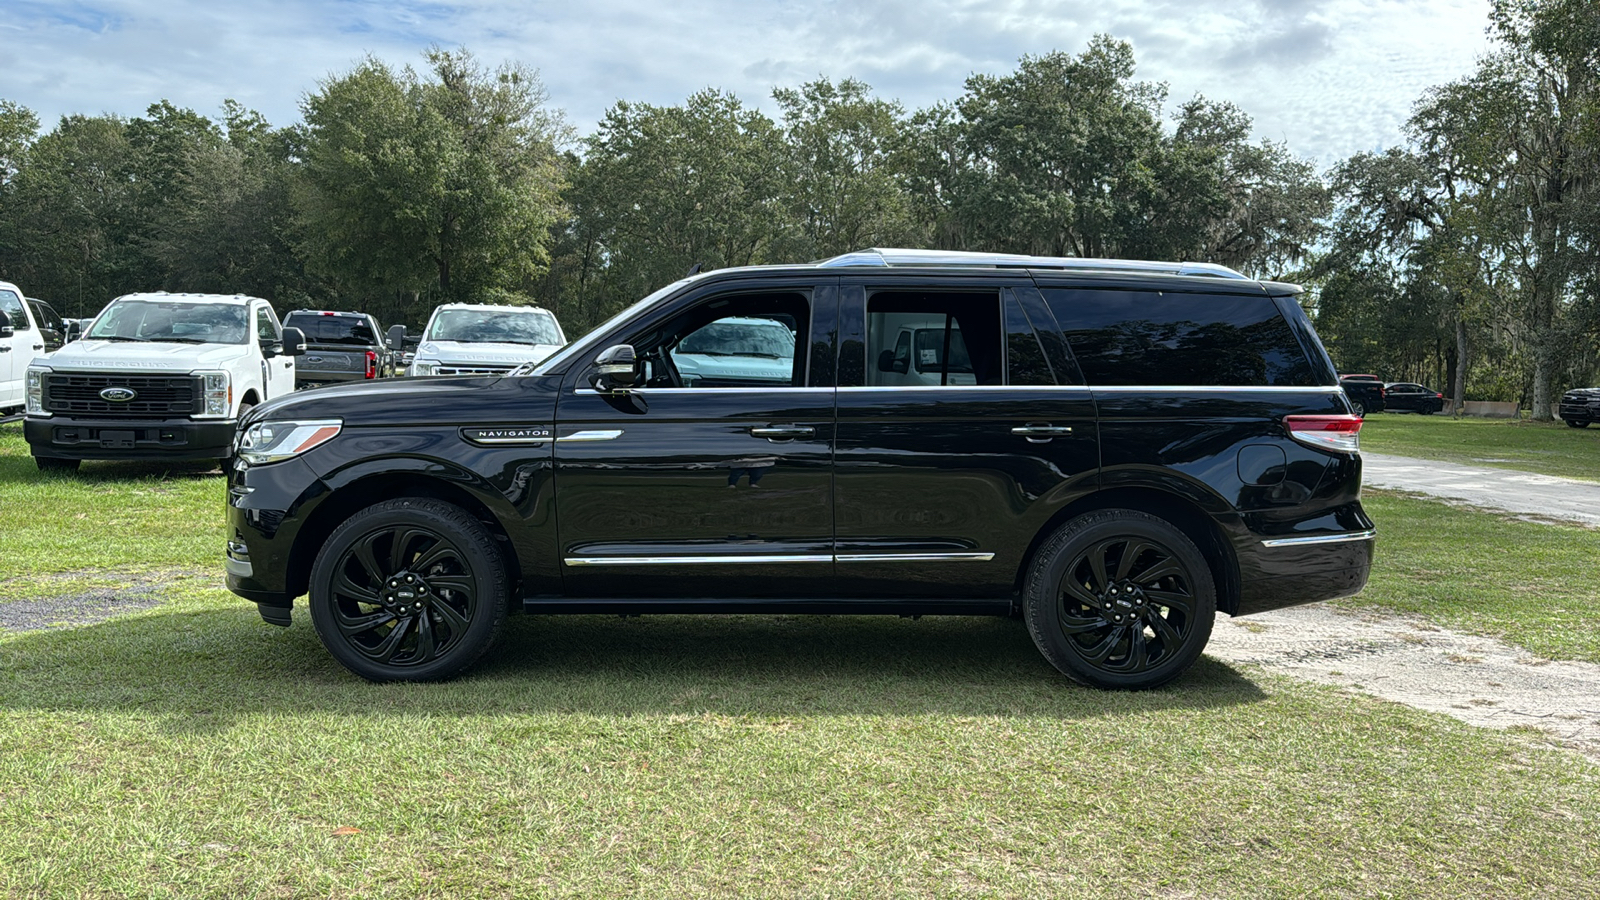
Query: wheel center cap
{"x": 1122, "y": 603}
{"x": 406, "y": 590}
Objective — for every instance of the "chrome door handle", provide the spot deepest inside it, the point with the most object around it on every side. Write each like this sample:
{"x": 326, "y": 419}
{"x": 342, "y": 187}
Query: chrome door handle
{"x": 1040, "y": 434}
{"x": 783, "y": 432}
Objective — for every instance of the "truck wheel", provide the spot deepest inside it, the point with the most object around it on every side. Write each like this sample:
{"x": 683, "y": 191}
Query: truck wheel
{"x": 412, "y": 589}
{"x": 1361, "y": 411}
{"x": 52, "y": 464}
{"x": 1577, "y": 423}
{"x": 1119, "y": 599}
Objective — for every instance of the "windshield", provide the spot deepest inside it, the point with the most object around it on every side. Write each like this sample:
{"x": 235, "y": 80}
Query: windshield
{"x": 169, "y": 322}
{"x": 483, "y": 326}
{"x": 741, "y": 337}
{"x": 321, "y": 329}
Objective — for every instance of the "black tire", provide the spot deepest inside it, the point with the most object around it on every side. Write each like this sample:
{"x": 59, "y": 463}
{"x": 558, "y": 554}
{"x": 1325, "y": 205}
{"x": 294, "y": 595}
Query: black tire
{"x": 1361, "y": 411}
{"x": 1120, "y": 599}
{"x": 52, "y": 464}
{"x": 412, "y": 589}
{"x": 1576, "y": 423}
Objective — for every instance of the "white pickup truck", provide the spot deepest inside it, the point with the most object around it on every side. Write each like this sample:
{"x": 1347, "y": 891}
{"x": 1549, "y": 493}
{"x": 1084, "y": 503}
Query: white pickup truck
{"x": 474, "y": 339}
{"x": 21, "y": 340}
{"x": 158, "y": 376}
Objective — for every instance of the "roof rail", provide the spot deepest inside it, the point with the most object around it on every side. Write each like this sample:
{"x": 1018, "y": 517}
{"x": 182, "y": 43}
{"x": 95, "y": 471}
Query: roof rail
{"x": 876, "y": 256}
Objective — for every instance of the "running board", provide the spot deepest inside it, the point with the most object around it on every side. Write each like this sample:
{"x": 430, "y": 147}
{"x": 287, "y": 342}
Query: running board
{"x": 876, "y": 606}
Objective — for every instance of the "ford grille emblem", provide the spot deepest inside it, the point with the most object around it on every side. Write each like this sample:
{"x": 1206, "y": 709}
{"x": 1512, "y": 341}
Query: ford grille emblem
{"x": 313, "y": 359}
{"x": 118, "y": 394}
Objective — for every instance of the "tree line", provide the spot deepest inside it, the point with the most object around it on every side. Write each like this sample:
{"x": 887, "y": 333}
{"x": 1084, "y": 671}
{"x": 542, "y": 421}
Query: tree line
{"x": 1465, "y": 258}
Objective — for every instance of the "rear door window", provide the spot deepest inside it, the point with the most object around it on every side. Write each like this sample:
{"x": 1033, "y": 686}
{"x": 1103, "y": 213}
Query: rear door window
{"x": 1148, "y": 338}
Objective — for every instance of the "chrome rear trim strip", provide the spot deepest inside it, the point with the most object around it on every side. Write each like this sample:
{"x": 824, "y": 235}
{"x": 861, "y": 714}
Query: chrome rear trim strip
{"x": 1367, "y": 535}
{"x": 914, "y": 557}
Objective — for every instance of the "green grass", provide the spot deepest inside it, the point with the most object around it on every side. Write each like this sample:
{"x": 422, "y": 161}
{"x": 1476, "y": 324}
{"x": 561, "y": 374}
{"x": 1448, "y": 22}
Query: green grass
{"x": 1524, "y": 582}
{"x": 1549, "y": 448}
{"x": 192, "y": 751}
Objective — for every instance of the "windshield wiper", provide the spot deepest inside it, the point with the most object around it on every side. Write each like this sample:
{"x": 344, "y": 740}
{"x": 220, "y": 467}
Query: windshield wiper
{"x": 118, "y": 337}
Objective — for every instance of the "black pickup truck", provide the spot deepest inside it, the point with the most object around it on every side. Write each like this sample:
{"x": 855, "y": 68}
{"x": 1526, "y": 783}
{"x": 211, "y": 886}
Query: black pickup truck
{"x": 1366, "y": 393}
{"x": 340, "y": 346}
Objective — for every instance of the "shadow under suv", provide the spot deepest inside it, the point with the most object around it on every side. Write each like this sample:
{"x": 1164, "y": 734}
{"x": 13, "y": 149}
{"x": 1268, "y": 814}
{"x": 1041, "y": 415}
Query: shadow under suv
{"x": 1112, "y": 451}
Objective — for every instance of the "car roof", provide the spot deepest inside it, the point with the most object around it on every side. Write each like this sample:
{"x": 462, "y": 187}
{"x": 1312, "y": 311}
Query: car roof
{"x": 166, "y": 297}
{"x": 490, "y": 307}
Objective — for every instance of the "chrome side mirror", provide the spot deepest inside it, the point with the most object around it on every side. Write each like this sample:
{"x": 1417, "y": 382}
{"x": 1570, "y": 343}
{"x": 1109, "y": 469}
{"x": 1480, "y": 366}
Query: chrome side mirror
{"x": 615, "y": 370}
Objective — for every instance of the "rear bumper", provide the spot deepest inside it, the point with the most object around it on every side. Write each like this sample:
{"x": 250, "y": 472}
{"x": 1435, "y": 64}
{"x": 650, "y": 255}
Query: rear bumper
{"x": 61, "y": 437}
{"x": 1293, "y": 570}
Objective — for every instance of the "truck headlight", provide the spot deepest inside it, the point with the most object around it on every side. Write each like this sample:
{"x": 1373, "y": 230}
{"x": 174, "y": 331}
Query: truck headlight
{"x": 35, "y": 391}
{"x": 216, "y": 394}
{"x": 424, "y": 368}
{"x": 270, "y": 442}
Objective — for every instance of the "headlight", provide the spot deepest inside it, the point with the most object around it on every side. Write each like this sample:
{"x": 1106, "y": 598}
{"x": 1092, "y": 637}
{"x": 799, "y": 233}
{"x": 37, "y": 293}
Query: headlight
{"x": 270, "y": 442}
{"x": 217, "y": 393}
{"x": 424, "y": 368}
{"x": 35, "y": 391}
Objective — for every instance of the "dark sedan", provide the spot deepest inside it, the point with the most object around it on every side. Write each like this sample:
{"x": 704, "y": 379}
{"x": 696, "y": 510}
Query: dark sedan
{"x": 1403, "y": 395}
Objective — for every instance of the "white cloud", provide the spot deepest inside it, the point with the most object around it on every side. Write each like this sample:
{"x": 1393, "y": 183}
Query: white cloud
{"x": 1329, "y": 77}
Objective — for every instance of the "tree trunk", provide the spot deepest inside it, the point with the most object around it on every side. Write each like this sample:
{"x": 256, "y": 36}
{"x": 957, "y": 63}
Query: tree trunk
{"x": 1458, "y": 386}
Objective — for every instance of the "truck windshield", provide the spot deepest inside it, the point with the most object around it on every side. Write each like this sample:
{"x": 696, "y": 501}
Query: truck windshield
{"x": 321, "y": 329}
{"x": 481, "y": 326}
{"x": 742, "y": 337}
{"x": 168, "y": 322}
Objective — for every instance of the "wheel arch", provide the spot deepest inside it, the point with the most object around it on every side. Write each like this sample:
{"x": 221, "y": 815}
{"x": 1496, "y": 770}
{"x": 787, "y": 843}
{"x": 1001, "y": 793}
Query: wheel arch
{"x": 350, "y": 497}
{"x": 1181, "y": 511}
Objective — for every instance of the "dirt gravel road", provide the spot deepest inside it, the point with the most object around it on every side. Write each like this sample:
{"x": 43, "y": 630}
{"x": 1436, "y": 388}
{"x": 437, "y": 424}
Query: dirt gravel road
{"x": 1478, "y": 680}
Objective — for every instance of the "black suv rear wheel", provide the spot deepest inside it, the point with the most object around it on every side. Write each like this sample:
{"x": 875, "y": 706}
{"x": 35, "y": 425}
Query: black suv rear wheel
{"x": 412, "y": 589}
{"x": 1120, "y": 599}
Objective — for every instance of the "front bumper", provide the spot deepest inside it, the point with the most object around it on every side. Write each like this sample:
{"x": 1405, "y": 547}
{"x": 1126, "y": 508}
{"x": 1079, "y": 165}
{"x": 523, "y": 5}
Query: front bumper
{"x": 267, "y": 507}
{"x": 63, "y": 437}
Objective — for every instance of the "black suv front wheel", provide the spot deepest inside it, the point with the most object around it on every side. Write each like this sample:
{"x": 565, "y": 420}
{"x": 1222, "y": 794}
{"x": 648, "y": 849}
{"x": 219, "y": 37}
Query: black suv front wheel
{"x": 1120, "y": 599}
{"x": 412, "y": 589}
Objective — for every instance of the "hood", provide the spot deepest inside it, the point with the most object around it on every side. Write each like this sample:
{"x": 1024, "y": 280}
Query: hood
{"x": 89, "y": 355}
{"x": 465, "y": 400}
{"x": 753, "y": 367}
{"x": 472, "y": 352}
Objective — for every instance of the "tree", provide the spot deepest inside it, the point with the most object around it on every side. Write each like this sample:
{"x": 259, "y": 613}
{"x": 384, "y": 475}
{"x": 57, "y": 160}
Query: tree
{"x": 1068, "y": 156}
{"x": 665, "y": 187}
{"x": 844, "y": 191}
{"x": 1519, "y": 140}
{"x": 446, "y": 183}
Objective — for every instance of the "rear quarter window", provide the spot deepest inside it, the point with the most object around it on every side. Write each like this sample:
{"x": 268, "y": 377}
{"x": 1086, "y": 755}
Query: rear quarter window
{"x": 1145, "y": 338}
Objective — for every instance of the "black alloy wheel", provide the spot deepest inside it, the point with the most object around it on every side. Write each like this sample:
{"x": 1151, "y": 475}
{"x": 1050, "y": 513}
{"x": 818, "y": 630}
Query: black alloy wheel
{"x": 412, "y": 589}
{"x": 1120, "y": 599}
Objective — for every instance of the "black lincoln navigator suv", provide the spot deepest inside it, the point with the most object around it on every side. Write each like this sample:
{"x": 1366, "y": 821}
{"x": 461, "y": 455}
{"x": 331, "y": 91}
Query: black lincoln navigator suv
{"x": 1111, "y": 450}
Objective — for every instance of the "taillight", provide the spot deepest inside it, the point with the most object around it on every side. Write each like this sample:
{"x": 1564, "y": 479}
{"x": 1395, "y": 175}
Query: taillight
{"x": 372, "y": 364}
{"x": 1341, "y": 433}
{"x": 1440, "y": 396}
{"x": 1382, "y": 392}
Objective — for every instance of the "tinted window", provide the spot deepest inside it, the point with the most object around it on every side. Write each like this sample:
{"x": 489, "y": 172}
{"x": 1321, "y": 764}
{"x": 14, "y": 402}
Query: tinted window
{"x": 320, "y": 329}
{"x": 46, "y": 316}
{"x": 1157, "y": 338}
{"x": 11, "y": 305}
{"x": 933, "y": 339}
{"x": 740, "y": 340}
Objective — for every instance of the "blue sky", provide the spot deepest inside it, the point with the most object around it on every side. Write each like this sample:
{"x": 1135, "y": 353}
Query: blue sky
{"x": 1328, "y": 77}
